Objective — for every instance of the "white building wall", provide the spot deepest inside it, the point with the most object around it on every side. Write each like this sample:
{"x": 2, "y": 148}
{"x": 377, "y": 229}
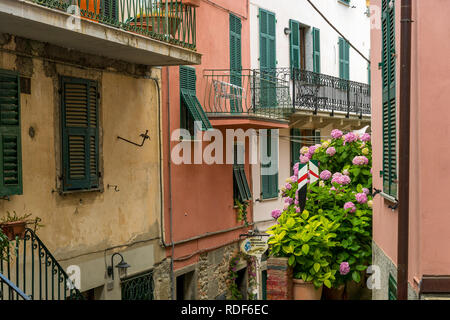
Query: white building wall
{"x": 351, "y": 20}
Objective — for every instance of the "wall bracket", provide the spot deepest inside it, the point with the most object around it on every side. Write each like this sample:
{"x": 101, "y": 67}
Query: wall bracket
{"x": 144, "y": 136}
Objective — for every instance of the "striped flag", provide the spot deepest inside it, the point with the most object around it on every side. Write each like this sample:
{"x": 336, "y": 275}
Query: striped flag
{"x": 302, "y": 185}
{"x": 313, "y": 171}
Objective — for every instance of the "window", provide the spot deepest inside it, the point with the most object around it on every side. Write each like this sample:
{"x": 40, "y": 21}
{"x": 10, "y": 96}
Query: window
{"x": 269, "y": 182}
{"x": 191, "y": 110}
{"x": 294, "y": 44}
{"x": 316, "y": 50}
{"x": 389, "y": 100}
{"x": 241, "y": 189}
{"x": 235, "y": 63}
{"x": 347, "y": 2}
{"x": 10, "y": 136}
{"x": 267, "y": 58}
{"x": 110, "y": 11}
{"x": 344, "y": 59}
{"x": 80, "y": 134}
{"x": 317, "y": 136}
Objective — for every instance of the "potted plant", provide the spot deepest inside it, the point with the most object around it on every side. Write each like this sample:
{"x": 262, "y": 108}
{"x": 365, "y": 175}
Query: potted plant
{"x": 14, "y": 226}
{"x": 241, "y": 212}
{"x": 306, "y": 240}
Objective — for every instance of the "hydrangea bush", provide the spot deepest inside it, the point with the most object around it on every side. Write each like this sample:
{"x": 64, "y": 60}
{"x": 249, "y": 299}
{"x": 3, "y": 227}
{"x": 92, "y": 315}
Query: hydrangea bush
{"x": 341, "y": 198}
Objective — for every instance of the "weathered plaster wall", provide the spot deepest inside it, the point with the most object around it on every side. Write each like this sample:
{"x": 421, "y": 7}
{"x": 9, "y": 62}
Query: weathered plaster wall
{"x": 79, "y": 227}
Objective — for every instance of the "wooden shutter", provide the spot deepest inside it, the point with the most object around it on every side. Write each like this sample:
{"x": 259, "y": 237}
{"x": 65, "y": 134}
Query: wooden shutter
{"x": 295, "y": 147}
{"x": 344, "y": 59}
{"x": 269, "y": 182}
{"x": 389, "y": 101}
{"x": 110, "y": 10}
{"x": 268, "y": 60}
{"x": 80, "y": 134}
{"x": 316, "y": 50}
{"x": 10, "y": 136}
{"x": 235, "y": 62}
{"x": 294, "y": 44}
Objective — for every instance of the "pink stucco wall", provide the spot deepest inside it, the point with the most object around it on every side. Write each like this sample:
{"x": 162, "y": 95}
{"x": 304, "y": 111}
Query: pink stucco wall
{"x": 430, "y": 156}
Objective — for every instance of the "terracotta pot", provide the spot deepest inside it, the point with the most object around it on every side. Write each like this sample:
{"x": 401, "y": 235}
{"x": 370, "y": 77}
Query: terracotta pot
{"x": 192, "y": 3}
{"x": 334, "y": 293}
{"x": 306, "y": 290}
{"x": 13, "y": 229}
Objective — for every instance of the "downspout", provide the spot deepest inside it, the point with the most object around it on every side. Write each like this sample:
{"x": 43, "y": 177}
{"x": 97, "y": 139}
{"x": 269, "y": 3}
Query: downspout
{"x": 404, "y": 151}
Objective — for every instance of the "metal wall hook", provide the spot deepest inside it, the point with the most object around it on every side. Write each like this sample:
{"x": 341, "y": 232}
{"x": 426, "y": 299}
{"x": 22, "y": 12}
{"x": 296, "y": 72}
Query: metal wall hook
{"x": 144, "y": 136}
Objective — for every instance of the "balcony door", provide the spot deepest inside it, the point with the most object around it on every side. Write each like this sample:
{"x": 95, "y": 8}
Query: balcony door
{"x": 267, "y": 41}
{"x": 236, "y": 91}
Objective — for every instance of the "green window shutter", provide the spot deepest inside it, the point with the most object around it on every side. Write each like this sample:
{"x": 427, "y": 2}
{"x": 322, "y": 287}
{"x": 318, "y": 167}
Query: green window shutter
{"x": 269, "y": 182}
{"x": 268, "y": 60}
{"x": 392, "y": 288}
{"x": 235, "y": 62}
{"x": 240, "y": 179}
{"x": 189, "y": 97}
{"x": 80, "y": 134}
{"x": 389, "y": 101}
{"x": 294, "y": 44}
{"x": 110, "y": 10}
{"x": 295, "y": 147}
{"x": 344, "y": 59}
{"x": 316, "y": 50}
{"x": 10, "y": 135}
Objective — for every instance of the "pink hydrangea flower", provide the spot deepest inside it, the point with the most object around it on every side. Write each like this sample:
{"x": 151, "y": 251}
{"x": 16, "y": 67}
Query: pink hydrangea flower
{"x": 344, "y": 268}
{"x": 311, "y": 151}
{"x": 365, "y": 137}
{"x": 351, "y": 206}
{"x": 297, "y": 209}
{"x": 360, "y": 161}
{"x": 325, "y": 175}
{"x": 350, "y": 137}
{"x": 331, "y": 151}
{"x": 346, "y": 172}
{"x": 288, "y": 186}
{"x": 276, "y": 214}
{"x": 304, "y": 159}
{"x": 366, "y": 191}
{"x": 336, "y": 134}
{"x": 340, "y": 179}
{"x": 361, "y": 198}
{"x": 289, "y": 200}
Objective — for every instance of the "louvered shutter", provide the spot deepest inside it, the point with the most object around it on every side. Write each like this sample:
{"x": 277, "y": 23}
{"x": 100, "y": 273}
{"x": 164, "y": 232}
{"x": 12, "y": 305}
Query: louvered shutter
{"x": 235, "y": 62}
{"x": 80, "y": 134}
{"x": 110, "y": 10}
{"x": 10, "y": 136}
{"x": 316, "y": 50}
{"x": 269, "y": 182}
{"x": 389, "y": 100}
{"x": 294, "y": 43}
{"x": 344, "y": 59}
{"x": 295, "y": 147}
{"x": 268, "y": 60}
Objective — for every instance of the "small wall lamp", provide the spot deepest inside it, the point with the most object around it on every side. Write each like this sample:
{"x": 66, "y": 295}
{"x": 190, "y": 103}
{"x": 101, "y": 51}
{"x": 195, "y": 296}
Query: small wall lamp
{"x": 122, "y": 266}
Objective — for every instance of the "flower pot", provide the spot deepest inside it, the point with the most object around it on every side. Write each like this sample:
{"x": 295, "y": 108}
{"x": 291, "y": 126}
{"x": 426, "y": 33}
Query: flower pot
{"x": 192, "y": 3}
{"x": 334, "y": 293}
{"x": 306, "y": 290}
{"x": 92, "y": 11}
{"x": 14, "y": 229}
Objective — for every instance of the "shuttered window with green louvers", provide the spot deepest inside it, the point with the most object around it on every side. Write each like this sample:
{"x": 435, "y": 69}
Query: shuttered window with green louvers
{"x": 389, "y": 100}
{"x": 295, "y": 147}
{"x": 189, "y": 98}
{"x": 269, "y": 181}
{"x": 241, "y": 189}
{"x": 80, "y": 134}
{"x": 267, "y": 59}
{"x": 294, "y": 44}
{"x": 344, "y": 59}
{"x": 110, "y": 11}
{"x": 10, "y": 137}
{"x": 236, "y": 64}
{"x": 316, "y": 50}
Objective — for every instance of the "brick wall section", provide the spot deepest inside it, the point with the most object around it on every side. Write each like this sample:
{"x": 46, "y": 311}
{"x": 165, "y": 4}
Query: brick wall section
{"x": 279, "y": 279}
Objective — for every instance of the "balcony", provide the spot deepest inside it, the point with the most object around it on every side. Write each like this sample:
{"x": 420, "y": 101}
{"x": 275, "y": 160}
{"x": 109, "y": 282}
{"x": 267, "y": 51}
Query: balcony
{"x": 150, "y": 32}
{"x": 250, "y": 94}
{"x": 320, "y": 93}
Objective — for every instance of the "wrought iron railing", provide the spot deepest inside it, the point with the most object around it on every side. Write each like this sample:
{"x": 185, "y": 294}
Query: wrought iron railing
{"x": 246, "y": 92}
{"x": 319, "y": 92}
{"x": 13, "y": 291}
{"x": 31, "y": 267}
{"x": 167, "y": 20}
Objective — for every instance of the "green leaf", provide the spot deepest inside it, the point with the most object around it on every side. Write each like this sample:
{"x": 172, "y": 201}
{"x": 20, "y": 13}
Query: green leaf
{"x": 361, "y": 267}
{"x": 291, "y": 260}
{"x": 356, "y": 276}
{"x": 305, "y": 248}
{"x": 327, "y": 283}
{"x": 316, "y": 267}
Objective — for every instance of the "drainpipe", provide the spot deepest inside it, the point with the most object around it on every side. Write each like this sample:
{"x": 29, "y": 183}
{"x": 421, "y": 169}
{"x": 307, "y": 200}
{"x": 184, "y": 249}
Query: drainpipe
{"x": 404, "y": 151}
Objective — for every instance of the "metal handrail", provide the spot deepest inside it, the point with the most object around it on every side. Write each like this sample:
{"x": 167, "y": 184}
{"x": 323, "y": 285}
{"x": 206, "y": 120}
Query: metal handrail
{"x": 12, "y": 289}
{"x": 35, "y": 271}
{"x": 166, "y": 20}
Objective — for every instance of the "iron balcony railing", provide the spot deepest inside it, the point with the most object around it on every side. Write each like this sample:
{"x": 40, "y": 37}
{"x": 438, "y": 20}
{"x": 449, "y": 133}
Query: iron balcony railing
{"x": 33, "y": 270}
{"x": 319, "y": 92}
{"x": 13, "y": 291}
{"x": 259, "y": 93}
{"x": 166, "y": 20}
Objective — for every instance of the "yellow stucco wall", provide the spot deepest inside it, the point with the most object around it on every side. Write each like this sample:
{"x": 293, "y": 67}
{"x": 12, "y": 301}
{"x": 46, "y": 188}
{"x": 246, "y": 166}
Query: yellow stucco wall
{"x": 79, "y": 227}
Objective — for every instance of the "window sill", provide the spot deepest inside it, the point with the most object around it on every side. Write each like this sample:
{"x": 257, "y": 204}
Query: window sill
{"x": 269, "y": 199}
{"x": 64, "y": 193}
{"x": 389, "y": 198}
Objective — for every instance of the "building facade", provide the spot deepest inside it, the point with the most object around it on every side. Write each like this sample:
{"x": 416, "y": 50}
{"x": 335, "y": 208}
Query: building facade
{"x": 429, "y": 261}
{"x": 81, "y": 131}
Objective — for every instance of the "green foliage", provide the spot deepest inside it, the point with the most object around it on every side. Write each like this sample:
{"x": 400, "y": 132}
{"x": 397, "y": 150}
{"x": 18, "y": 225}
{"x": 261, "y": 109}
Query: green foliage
{"x": 242, "y": 211}
{"x": 233, "y": 289}
{"x": 343, "y": 235}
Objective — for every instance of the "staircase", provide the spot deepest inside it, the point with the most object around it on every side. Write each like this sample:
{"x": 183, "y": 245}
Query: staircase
{"x": 30, "y": 272}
